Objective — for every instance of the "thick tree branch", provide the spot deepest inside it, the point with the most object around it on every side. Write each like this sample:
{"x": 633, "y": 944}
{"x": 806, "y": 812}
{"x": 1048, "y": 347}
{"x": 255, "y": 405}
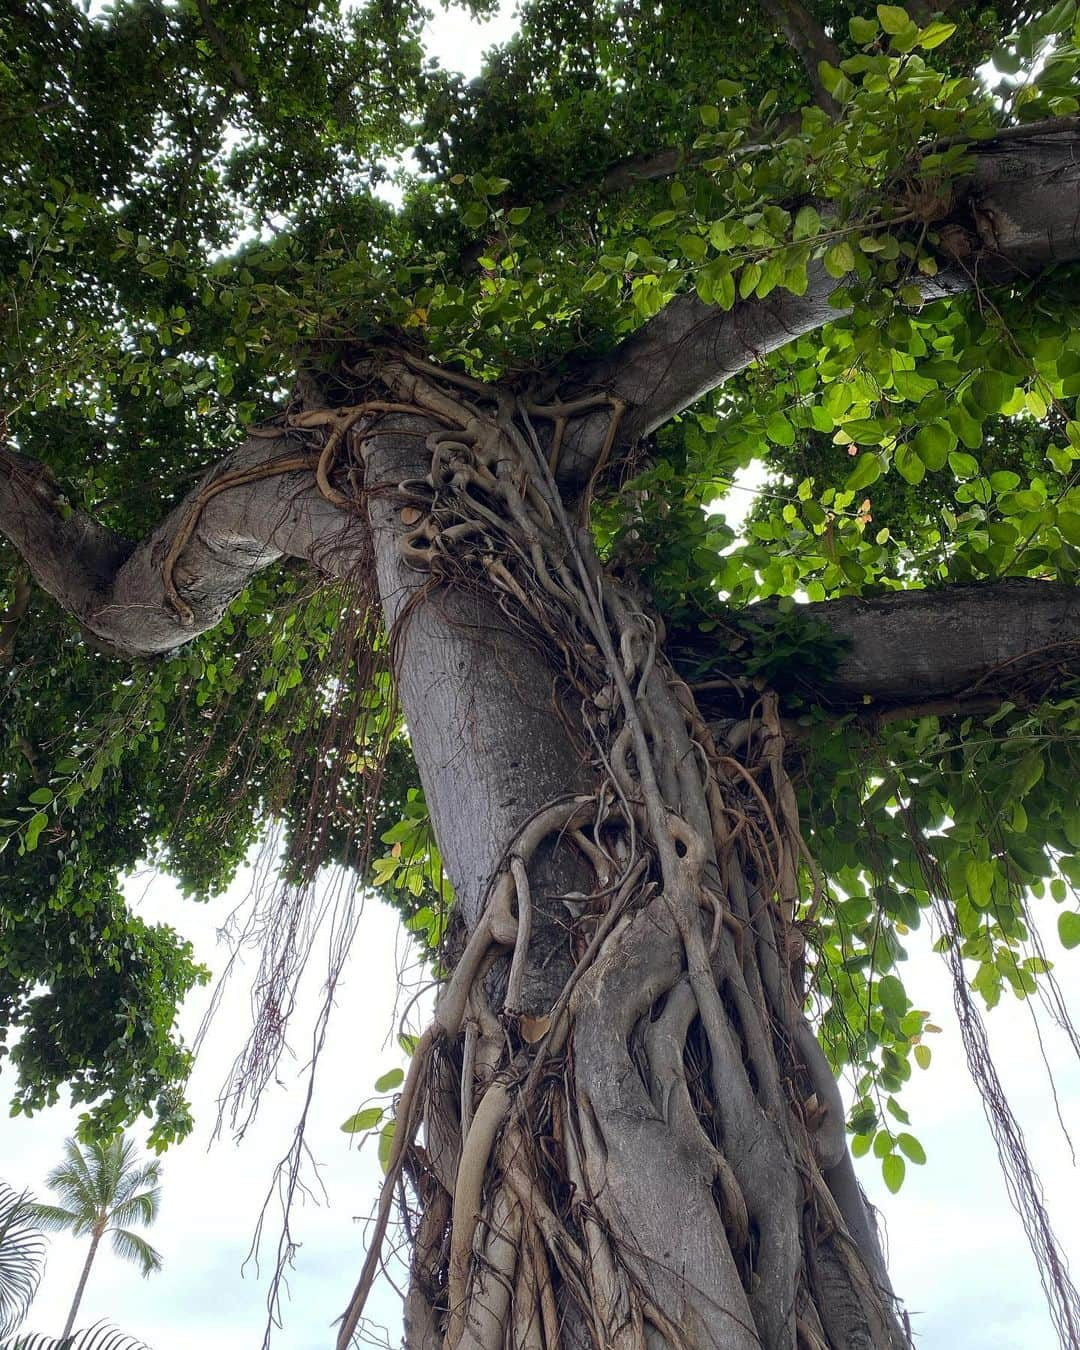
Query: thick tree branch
{"x": 13, "y": 616}
{"x": 958, "y": 649}
{"x": 1015, "y": 214}
{"x": 808, "y": 40}
{"x": 217, "y": 39}
{"x": 117, "y": 591}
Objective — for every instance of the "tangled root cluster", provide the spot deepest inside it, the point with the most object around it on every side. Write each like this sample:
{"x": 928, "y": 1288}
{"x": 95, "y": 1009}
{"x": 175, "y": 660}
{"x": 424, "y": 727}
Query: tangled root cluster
{"x": 658, "y": 1157}
{"x": 543, "y": 1148}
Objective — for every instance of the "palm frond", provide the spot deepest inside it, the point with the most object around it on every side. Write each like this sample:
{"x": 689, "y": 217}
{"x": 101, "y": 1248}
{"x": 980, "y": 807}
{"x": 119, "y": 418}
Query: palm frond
{"x": 57, "y": 1219}
{"x": 112, "y": 1162}
{"x": 100, "y": 1336}
{"x": 132, "y": 1247}
{"x": 141, "y": 1208}
{"x": 22, "y": 1256}
{"x": 72, "y": 1181}
{"x": 145, "y": 1177}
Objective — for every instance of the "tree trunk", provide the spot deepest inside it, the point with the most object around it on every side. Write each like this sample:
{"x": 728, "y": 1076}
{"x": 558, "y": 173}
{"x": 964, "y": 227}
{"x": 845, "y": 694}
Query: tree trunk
{"x": 630, "y": 1135}
{"x": 73, "y": 1311}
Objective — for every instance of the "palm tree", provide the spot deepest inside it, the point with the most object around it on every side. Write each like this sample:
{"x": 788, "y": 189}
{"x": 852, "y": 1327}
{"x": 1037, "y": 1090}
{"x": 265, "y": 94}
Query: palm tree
{"x": 103, "y": 1190}
{"x": 100, "y": 1336}
{"x": 22, "y": 1256}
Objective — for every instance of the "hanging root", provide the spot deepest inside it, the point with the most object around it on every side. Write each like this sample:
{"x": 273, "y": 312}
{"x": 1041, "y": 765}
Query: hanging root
{"x": 651, "y": 1159}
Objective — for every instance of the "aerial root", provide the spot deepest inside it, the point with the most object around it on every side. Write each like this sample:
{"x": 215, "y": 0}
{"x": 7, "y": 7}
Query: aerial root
{"x": 238, "y": 478}
{"x": 407, "y": 1120}
{"x": 684, "y": 840}
{"x": 475, "y": 1155}
{"x": 339, "y": 422}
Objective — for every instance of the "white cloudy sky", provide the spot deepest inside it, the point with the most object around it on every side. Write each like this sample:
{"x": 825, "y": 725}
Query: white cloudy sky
{"x": 957, "y": 1251}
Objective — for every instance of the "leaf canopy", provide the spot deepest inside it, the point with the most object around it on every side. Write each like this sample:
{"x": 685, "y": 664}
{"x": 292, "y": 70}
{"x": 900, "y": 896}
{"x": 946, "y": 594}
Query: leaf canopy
{"x": 199, "y": 205}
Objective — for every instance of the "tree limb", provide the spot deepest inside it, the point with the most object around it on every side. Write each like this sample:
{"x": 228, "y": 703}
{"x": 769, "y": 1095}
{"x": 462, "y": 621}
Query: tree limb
{"x": 116, "y": 589}
{"x": 217, "y": 39}
{"x": 808, "y": 40}
{"x": 959, "y": 649}
{"x": 1016, "y": 213}
{"x": 11, "y": 617}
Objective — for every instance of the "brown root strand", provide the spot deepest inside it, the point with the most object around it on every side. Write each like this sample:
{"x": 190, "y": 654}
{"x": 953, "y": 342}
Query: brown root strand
{"x": 679, "y": 977}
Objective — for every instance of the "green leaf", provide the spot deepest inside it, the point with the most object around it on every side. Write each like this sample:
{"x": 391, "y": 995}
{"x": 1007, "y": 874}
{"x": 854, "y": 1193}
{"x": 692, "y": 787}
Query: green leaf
{"x": 911, "y": 1148}
{"x": 392, "y": 1079}
{"x": 868, "y": 469}
{"x": 923, "y": 1056}
{"x": 840, "y": 259}
{"x": 908, "y": 464}
{"x": 363, "y": 1120}
{"x": 41, "y": 797}
{"x": 34, "y": 827}
{"x": 979, "y": 876}
{"x": 807, "y": 223}
{"x": 893, "y": 1167}
{"x": 962, "y": 465}
{"x": 892, "y": 18}
{"x": 934, "y": 34}
{"x": 692, "y": 246}
{"x": 386, "y": 1144}
{"x": 779, "y": 430}
{"x": 891, "y": 995}
{"x": 1027, "y": 773}
{"x": 1069, "y": 928}
{"x": 1068, "y": 522}
{"x": 933, "y": 443}
{"x": 863, "y": 31}
{"x": 990, "y": 391}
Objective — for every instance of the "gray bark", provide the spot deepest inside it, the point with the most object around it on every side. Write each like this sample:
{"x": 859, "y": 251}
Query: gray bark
{"x": 476, "y": 694}
{"x": 1017, "y": 213}
{"x": 1011, "y": 638}
{"x": 489, "y": 739}
{"x": 494, "y": 747}
{"x": 74, "y": 1309}
{"x": 115, "y": 589}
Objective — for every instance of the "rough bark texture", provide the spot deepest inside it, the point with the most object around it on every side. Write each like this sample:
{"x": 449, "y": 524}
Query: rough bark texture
{"x": 1016, "y": 214}
{"x": 674, "y": 1031}
{"x": 1015, "y": 638}
{"x": 629, "y": 1135}
{"x": 482, "y": 712}
{"x": 117, "y": 589}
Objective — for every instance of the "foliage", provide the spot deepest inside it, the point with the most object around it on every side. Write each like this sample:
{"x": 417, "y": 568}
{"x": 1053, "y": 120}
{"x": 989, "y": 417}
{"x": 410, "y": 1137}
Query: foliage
{"x": 100, "y": 1336}
{"x": 200, "y": 219}
{"x": 22, "y": 1257}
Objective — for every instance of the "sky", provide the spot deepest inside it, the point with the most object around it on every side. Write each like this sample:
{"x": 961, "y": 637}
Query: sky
{"x": 957, "y": 1250}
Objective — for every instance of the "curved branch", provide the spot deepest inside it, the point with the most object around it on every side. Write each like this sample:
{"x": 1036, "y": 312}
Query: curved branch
{"x": 121, "y": 593}
{"x": 1016, "y": 213}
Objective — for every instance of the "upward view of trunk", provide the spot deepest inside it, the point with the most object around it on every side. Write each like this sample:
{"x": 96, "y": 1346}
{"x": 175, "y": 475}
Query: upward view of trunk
{"x": 619, "y": 1130}
{"x": 80, "y": 1288}
{"x": 629, "y": 1133}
